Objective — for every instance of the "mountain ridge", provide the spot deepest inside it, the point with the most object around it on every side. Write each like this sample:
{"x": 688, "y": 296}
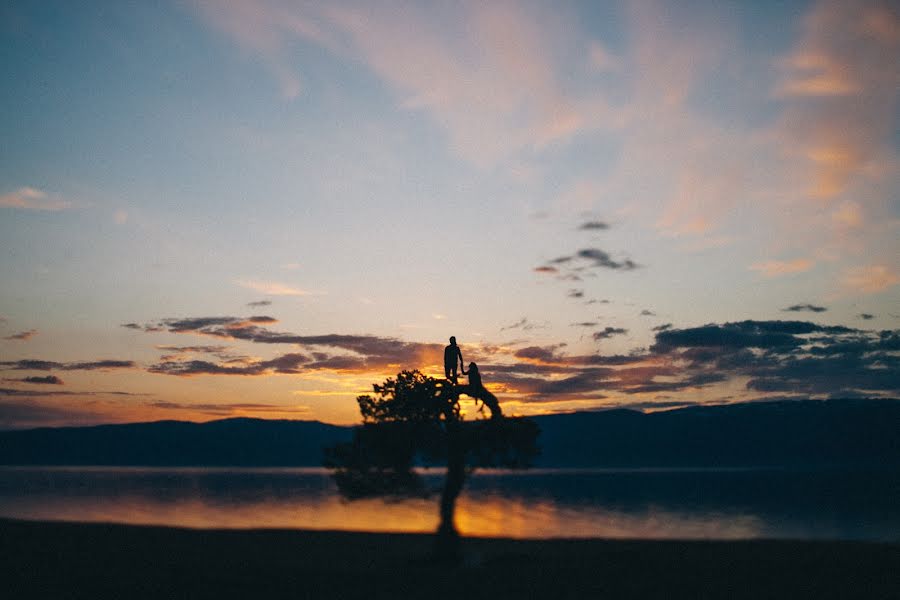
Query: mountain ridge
{"x": 857, "y": 432}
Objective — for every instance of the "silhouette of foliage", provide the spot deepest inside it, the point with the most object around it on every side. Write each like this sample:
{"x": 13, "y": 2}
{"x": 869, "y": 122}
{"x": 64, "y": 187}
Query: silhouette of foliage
{"x": 411, "y": 397}
{"x": 414, "y": 419}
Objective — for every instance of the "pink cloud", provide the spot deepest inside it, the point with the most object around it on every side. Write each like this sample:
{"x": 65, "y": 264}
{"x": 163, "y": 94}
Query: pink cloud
{"x": 488, "y": 74}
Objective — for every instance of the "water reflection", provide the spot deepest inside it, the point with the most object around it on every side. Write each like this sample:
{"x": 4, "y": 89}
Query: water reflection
{"x": 537, "y": 504}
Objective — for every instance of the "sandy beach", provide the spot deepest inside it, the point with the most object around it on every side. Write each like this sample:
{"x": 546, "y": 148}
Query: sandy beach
{"x": 69, "y": 560}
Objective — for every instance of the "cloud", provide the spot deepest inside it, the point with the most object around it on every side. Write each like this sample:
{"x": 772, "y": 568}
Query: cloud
{"x": 187, "y": 349}
{"x": 272, "y": 288}
{"x": 23, "y": 336}
{"x": 789, "y": 356}
{"x": 262, "y": 319}
{"x": 838, "y": 38}
{"x": 218, "y": 326}
{"x": 27, "y": 413}
{"x": 540, "y": 354}
{"x": 469, "y": 77}
{"x": 602, "y": 59}
{"x": 99, "y": 365}
{"x": 609, "y": 332}
{"x": 219, "y": 351}
{"x": 871, "y": 279}
{"x": 28, "y": 198}
{"x": 259, "y": 303}
{"x": 586, "y": 258}
{"x": 337, "y": 352}
{"x": 647, "y": 313}
{"x": 145, "y": 328}
{"x": 230, "y": 408}
{"x": 601, "y": 259}
{"x": 777, "y": 268}
{"x": 525, "y": 325}
{"x": 841, "y": 86}
{"x": 520, "y": 323}
{"x": 818, "y": 75}
{"x": 691, "y": 381}
{"x": 47, "y": 380}
{"x": 594, "y": 226}
{"x": 765, "y": 357}
{"x": 556, "y": 378}
{"x": 202, "y": 367}
{"x": 546, "y": 269}
{"x": 743, "y": 334}
{"x": 34, "y": 393}
{"x": 464, "y": 66}
{"x": 30, "y": 364}
{"x": 366, "y": 354}
{"x": 805, "y": 308}
{"x": 841, "y": 374}
{"x": 266, "y": 29}
{"x": 50, "y": 393}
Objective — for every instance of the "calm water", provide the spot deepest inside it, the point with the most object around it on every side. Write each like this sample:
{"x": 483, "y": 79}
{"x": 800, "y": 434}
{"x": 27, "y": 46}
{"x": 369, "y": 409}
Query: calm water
{"x": 719, "y": 504}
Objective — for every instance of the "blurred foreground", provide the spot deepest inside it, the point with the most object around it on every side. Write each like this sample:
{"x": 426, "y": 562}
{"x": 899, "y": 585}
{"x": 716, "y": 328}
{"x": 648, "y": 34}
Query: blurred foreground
{"x": 56, "y": 560}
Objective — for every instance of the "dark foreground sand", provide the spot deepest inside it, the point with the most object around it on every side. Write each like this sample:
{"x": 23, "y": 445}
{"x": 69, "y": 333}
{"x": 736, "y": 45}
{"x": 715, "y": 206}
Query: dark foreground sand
{"x": 62, "y": 560}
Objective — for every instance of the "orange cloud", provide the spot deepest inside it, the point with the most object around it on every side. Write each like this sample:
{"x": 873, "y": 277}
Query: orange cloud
{"x": 818, "y": 75}
{"x": 871, "y": 279}
{"x": 272, "y": 288}
{"x": 843, "y": 81}
{"x": 602, "y": 59}
{"x": 777, "y": 268}
{"x": 848, "y": 216}
{"x": 29, "y": 198}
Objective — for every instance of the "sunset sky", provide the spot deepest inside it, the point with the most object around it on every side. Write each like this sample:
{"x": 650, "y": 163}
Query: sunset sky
{"x": 213, "y": 209}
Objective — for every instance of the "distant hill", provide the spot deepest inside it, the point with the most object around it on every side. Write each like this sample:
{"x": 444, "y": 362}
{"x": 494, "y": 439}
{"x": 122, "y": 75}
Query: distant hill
{"x": 232, "y": 442}
{"x": 786, "y": 433}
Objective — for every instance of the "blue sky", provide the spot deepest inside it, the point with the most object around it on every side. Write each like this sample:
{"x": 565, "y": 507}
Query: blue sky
{"x": 563, "y": 177}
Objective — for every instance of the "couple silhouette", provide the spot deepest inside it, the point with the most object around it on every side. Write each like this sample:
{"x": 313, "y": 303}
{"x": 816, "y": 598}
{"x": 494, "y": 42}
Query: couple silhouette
{"x": 453, "y": 363}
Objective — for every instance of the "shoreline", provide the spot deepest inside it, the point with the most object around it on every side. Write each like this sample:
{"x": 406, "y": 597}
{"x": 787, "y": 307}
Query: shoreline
{"x": 56, "y": 559}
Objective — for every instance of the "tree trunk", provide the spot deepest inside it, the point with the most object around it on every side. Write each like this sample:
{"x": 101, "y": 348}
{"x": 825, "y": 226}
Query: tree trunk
{"x": 447, "y": 542}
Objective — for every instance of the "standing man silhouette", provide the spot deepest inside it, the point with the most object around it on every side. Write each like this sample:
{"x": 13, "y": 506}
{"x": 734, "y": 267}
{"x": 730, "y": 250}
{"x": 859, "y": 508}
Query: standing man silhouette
{"x": 453, "y": 359}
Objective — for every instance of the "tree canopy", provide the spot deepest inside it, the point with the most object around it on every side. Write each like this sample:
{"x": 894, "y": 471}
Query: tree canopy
{"x": 415, "y": 420}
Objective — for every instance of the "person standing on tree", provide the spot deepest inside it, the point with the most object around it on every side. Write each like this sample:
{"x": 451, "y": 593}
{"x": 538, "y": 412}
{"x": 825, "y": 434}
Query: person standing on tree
{"x": 452, "y": 360}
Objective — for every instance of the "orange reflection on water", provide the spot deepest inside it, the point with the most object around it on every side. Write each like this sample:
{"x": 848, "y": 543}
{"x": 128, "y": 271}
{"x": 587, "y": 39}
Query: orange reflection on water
{"x": 496, "y": 516}
{"x": 304, "y": 498}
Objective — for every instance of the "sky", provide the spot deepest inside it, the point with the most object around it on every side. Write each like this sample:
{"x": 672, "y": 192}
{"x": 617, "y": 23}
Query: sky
{"x": 223, "y": 208}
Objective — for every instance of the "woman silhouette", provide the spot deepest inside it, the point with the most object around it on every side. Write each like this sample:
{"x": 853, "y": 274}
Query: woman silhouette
{"x": 477, "y": 390}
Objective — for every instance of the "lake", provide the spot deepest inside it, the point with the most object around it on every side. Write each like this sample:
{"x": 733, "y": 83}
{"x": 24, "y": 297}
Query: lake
{"x": 540, "y": 503}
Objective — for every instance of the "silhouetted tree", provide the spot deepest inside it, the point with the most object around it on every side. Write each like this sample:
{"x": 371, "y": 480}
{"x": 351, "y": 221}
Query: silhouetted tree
{"x": 416, "y": 418}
